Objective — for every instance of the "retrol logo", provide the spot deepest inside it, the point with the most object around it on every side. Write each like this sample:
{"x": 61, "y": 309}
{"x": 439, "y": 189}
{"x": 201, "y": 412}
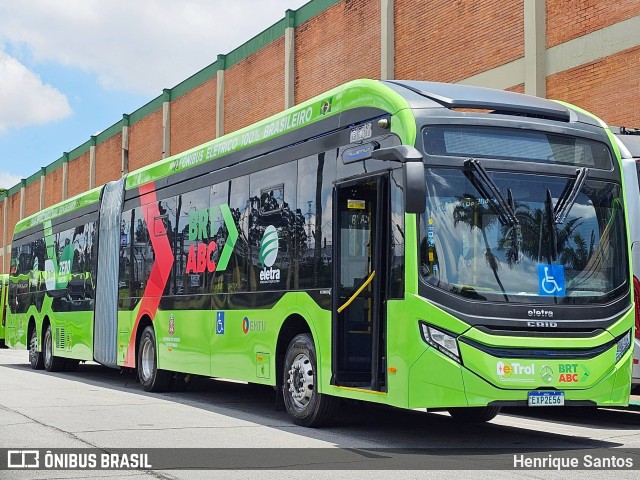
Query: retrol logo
{"x": 268, "y": 253}
{"x": 508, "y": 370}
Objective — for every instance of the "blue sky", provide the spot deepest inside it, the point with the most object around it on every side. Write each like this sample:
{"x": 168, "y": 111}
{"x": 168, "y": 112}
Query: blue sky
{"x": 70, "y": 68}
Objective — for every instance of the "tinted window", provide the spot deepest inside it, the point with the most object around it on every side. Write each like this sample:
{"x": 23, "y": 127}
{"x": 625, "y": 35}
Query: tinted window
{"x": 194, "y": 232}
{"x": 316, "y": 175}
{"x": 273, "y": 225}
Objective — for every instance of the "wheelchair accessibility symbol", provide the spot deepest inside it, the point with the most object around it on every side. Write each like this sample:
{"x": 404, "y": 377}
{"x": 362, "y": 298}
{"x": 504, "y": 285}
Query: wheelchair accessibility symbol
{"x": 220, "y": 323}
{"x": 551, "y": 280}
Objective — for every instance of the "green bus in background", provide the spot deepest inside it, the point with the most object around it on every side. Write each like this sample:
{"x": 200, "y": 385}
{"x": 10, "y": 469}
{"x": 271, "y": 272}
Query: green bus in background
{"x": 415, "y": 244}
{"x": 4, "y": 281}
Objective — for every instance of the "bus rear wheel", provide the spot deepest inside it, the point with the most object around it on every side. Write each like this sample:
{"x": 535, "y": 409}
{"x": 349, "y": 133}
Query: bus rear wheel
{"x": 51, "y": 362}
{"x": 151, "y": 377}
{"x": 474, "y": 414}
{"x": 35, "y": 357}
{"x": 305, "y": 405}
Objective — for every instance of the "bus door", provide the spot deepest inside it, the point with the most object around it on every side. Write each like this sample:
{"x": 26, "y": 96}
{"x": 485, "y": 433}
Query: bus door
{"x": 358, "y": 340}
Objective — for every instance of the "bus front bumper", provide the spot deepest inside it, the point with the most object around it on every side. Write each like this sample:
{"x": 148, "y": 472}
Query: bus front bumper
{"x": 436, "y": 381}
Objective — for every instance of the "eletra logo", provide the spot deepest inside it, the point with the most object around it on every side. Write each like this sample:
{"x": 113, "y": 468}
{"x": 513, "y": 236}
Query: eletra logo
{"x": 269, "y": 246}
{"x": 268, "y": 254}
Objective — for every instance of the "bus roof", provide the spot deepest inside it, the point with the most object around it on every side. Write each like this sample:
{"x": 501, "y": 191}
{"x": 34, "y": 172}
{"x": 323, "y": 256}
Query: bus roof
{"x": 67, "y": 206}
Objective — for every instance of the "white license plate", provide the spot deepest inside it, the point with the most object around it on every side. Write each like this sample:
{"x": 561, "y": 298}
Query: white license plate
{"x": 546, "y": 399}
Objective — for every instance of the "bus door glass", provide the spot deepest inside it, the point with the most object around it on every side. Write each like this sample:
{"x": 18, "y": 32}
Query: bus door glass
{"x": 359, "y": 273}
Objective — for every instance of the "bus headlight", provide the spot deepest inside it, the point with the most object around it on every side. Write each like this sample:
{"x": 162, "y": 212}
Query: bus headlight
{"x": 445, "y": 342}
{"x": 623, "y": 345}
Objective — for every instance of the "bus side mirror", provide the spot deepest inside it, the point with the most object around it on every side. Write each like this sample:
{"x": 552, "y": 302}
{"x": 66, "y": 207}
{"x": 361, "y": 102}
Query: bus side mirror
{"x": 415, "y": 186}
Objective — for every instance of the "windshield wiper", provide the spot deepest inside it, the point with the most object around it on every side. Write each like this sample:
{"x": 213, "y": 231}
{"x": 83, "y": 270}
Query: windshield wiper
{"x": 483, "y": 183}
{"x": 569, "y": 194}
{"x": 506, "y": 209}
{"x": 551, "y": 226}
{"x": 558, "y": 214}
{"x": 488, "y": 189}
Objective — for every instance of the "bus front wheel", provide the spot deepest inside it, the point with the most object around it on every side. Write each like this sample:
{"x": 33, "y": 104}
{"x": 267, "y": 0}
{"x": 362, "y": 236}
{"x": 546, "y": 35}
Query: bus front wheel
{"x": 305, "y": 405}
{"x": 474, "y": 414}
{"x": 35, "y": 357}
{"x": 151, "y": 377}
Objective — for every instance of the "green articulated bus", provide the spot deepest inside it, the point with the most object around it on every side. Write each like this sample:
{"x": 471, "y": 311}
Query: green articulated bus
{"x": 415, "y": 244}
{"x": 4, "y": 282}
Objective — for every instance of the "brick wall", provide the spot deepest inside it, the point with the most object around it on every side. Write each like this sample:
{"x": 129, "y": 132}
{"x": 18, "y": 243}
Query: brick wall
{"x": 254, "y": 87}
{"x": 145, "y": 141}
{"x": 446, "y": 41}
{"x": 608, "y": 87}
{"x": 32, "y": 198}
{"x": 109, "y": 160}
{"x": 193, "y": 117}
{"x": 78, "y": 180}
{"x": 568, "y": 19}
{"x": 13, "y": 215}
{"x": 340, "y": 44}
{"x": 53, "y": 188}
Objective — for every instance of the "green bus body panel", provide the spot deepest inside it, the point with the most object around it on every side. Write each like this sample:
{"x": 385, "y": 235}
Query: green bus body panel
{"x": 357, "y": 93}
{"x": 192, "y": 345}
{"x": 72, "y": 331}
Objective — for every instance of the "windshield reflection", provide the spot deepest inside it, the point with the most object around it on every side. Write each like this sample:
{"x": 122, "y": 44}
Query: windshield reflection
{"x": 471, "y": 247}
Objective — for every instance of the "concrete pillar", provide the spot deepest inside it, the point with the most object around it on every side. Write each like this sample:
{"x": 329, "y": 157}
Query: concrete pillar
{"x": 65, "y": 175}
{"x": 166, "y": 123}
{"x": 92, "y": 163}
{"x": 125, "y": 144}
{"x": 23, "y": 191}
{"x": 387, "y": 35}
{"x": 535, "y": 33}
{"x": 220, "y": 96}
{"x": 289, "y": 59}
{"x": 43, "y": 180}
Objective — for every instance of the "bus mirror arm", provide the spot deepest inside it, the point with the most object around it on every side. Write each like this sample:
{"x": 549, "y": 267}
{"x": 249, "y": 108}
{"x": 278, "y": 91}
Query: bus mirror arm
{"x": 415, "y": 187}
{"x": 397, "y": 153}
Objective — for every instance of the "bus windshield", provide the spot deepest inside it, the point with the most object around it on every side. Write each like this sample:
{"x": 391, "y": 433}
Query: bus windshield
{"x": 545, "y": 239}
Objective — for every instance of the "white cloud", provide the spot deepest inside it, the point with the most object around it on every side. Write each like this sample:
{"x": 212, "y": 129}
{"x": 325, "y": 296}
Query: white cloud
{"x": 25, "y": 99}
{"x": 142, "y": 45}
{"x": 8, "y": 180}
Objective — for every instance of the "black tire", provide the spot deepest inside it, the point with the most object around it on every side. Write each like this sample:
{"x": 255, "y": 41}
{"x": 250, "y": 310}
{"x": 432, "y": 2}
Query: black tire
{"x": 151, "y": 377}
{"x": 474, "y": 414}
{"x": 51, "y": 362}
{"x": 304, "y": 404}
{"x": 36, "y": 359}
